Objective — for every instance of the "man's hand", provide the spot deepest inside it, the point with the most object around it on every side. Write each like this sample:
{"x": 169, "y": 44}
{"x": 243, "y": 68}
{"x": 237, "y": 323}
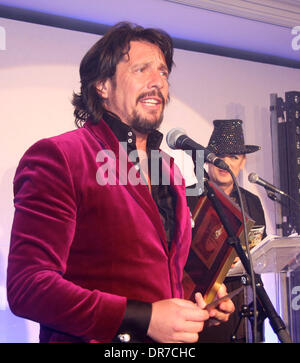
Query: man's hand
{"x": 222, "y": 312}
{"x": 177, "y": 320}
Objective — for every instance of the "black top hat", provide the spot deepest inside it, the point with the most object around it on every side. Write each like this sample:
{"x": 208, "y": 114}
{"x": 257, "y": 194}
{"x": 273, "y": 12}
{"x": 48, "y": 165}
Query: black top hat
{"x": 228, "y": 139}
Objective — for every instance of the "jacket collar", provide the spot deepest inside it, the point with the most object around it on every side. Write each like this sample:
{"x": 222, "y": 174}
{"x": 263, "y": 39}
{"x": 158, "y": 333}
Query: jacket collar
{"x": 125, "y": 133}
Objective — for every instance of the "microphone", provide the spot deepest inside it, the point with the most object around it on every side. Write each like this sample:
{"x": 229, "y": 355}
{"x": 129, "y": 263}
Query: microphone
{"x": 177, "y": 139}
{"x": 254, "y": 178}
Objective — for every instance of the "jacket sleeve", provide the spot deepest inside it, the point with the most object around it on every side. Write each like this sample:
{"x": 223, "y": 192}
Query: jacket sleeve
{"x": 42, "y": 234}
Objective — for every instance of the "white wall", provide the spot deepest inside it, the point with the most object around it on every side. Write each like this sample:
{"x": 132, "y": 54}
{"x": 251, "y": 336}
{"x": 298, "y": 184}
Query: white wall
{"x": 39, "y": 72}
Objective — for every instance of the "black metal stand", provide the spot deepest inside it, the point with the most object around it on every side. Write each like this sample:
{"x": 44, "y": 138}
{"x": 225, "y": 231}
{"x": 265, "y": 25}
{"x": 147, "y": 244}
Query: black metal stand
{"x": 292, "y": 226}
{"x": 276, "y": 322}
{"x": 247, "y": 312}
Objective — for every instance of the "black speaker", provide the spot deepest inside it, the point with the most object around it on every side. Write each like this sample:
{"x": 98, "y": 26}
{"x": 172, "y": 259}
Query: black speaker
{"x": 289, "y": 160}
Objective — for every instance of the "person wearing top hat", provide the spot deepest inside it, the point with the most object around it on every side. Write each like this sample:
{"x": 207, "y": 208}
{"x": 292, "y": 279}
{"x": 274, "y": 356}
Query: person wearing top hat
{"x": 227, "y": 142}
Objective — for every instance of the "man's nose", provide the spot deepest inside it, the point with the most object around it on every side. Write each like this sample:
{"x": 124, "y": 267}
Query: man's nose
{"x": 156, "y": 80}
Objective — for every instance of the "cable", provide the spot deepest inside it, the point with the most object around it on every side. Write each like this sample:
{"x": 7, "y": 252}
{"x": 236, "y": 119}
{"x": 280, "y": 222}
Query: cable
{"x": 252, "y": 275}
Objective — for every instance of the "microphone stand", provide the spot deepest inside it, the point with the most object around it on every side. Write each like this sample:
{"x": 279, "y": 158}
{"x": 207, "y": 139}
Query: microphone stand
{"x": 276, "y": 322}
{"x": 275, "y": 198}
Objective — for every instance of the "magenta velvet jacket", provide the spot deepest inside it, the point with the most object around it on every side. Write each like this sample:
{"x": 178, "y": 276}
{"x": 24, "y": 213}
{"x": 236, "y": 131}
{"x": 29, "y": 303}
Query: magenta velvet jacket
{"x": 80, "y": 249}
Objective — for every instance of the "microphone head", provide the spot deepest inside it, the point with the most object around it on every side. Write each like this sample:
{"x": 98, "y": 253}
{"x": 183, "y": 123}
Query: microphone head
{"x": 253, "y": 177}
{"x": 172, "y": 137}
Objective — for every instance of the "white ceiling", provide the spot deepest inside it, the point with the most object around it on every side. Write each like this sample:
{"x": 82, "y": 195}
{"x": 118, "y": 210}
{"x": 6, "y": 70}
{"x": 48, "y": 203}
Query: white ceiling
{"x": 258, "y": 27}
{"x": 278, "y": 12}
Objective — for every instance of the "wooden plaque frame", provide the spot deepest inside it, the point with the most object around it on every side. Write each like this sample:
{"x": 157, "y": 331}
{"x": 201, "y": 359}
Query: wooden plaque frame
{"x": 211, "y": 256}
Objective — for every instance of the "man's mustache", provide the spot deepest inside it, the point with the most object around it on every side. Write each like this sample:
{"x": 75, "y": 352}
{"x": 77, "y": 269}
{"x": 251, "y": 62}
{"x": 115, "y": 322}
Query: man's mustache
{"x": 152, "y": 94}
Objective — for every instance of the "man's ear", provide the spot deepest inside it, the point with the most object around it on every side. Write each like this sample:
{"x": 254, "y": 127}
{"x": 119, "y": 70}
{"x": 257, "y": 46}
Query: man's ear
{"x": 102, "y": 88}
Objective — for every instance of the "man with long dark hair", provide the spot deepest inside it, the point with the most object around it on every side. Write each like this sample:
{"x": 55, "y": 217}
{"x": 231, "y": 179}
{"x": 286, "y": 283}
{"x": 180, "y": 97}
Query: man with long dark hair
{"x": 98, "y": 249}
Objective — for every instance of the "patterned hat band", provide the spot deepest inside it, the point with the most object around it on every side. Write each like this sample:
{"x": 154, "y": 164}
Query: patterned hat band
{"x": 228, "y": 139}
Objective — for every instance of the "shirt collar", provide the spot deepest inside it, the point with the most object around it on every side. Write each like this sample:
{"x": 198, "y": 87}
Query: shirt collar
{"x": 125, "y": 133}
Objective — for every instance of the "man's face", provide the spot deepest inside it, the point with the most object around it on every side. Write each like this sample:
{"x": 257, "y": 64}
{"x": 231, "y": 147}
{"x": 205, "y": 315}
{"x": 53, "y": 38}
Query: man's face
{"x": 221, "y": 177}
{"x": 139, "y": 90}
